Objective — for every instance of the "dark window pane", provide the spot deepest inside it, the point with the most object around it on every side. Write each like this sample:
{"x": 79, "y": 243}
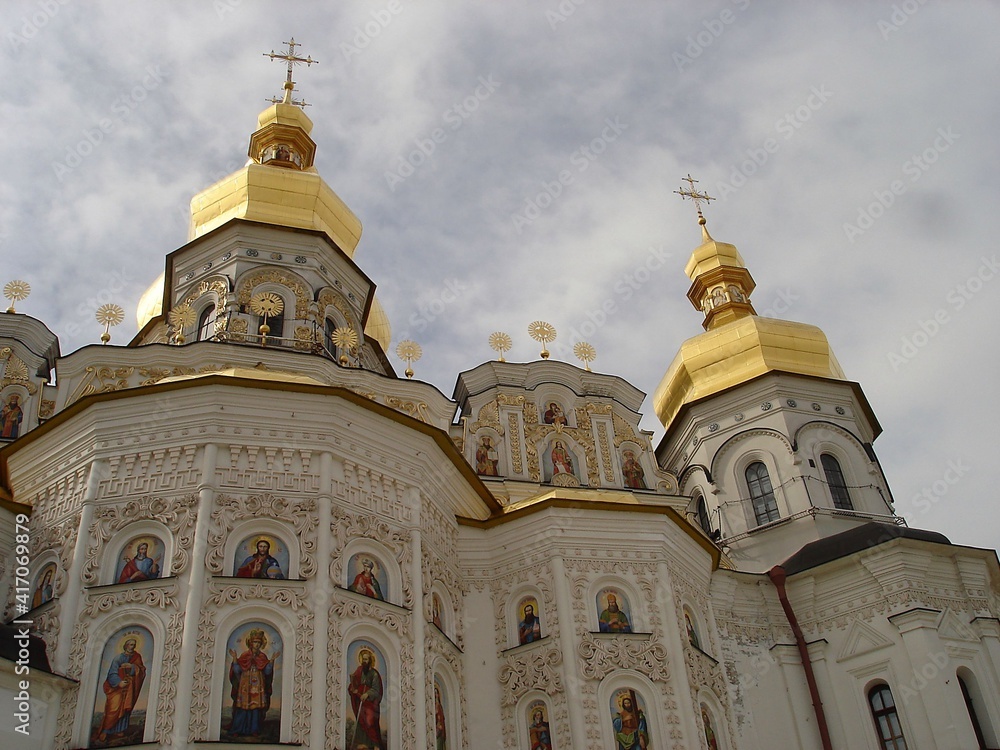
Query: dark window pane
{"x": 838, "y": 486}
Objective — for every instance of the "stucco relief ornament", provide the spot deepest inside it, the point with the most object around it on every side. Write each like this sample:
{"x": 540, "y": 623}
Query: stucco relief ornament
{"x": 544, "y": 333}
{"x": 16, "y": 291}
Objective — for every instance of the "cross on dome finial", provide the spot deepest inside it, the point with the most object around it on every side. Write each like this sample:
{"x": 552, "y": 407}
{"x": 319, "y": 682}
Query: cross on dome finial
{"x": 292, "y": 59}
{"x": 694, "y": 195}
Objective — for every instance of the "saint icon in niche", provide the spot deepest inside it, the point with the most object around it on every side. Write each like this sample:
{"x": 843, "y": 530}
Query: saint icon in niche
{"x": 692, "y": 634}
{"x": 366, "y": 728}
{"x": 369, "y": 578}
{"x": 436, "y": 611}
{"x": 710, "y": 738}
{"x": 562, "y": 459}
{"x": 440, "y": 718}
{"x": 256, "y": 709}
{"x": 10, "y": 417}
{"x": 554, "y": 414}
{"x": 539, "y": 736}
{"x": 262, "y": 557}
{"x": 44, "y": 588}
{"x": 614, "y": 612}
{"x": 487, "y": 457}
{"x": 140, "y": 560}
{"x": 628, "y": 716}
{"x": 122, "y": 676}
{"x": 632, "y": 471}
{"x": 529, "y": 627}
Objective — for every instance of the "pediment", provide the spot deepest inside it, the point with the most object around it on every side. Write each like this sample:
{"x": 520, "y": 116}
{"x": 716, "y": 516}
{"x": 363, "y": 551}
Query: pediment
{"x": 862, "y": 639}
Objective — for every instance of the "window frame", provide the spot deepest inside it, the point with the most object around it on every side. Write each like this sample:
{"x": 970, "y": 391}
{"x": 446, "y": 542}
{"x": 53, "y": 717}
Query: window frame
{"x": 772, "y": 512}
{"x": 897, "y": 738}
{"x": 840, "y": 501}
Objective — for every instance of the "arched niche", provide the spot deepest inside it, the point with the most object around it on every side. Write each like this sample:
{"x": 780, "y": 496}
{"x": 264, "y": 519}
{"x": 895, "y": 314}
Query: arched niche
{"x": 617, "y": 615}
{"x": 488, "y": 455}
{"x": 442, "y": 609}
{"x": 564, "y": 462}
{"x": 447, "y": 705}
{"x": 711, "y": 721}
{"x": 247, "y": 557}
{"x": 15, "y": 412}
{"x": 382, "y": 581}
{"x": 228, "y": 701}
{"x": 519, "y": 630}
{"x": 122, "y": 561}
{"x": 535, "y": 728}
{"x": 107, "y": 636}
{"x": 613, "y": 697}
{"x": 357, "y": 717}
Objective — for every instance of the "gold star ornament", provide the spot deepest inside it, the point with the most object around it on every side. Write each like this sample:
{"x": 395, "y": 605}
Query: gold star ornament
{"x": 500, "y": 342}
{"x": 109, "y": 315}
{"x": 344, "y": 339}
{"x": 409, "y": 352}
{"x": 181, "y": 317}
{"x": 585, "y": 352}
{"x": 544, "y": 333}
{"x": 16, "y": 291}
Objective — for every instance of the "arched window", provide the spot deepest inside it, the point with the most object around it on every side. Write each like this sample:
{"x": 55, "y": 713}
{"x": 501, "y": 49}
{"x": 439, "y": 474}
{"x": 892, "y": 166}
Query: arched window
{"x": 887, "y": 727}
{"x": 329, "y": 326}
{"x": 835, "y": 478}
{"x": 765, "y": 507}
{"x": 206, "y": 323}
{"x": 971, "y": 705}
{"x": 703, "y": 519}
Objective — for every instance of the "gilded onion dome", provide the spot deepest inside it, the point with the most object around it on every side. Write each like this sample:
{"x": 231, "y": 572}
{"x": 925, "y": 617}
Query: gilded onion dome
{"x": 737, "y": 345}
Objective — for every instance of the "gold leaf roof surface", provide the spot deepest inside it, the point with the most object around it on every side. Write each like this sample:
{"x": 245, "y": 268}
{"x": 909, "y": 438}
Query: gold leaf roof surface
{"x": 738, "y": 345}
{"x": 288, "y": 197}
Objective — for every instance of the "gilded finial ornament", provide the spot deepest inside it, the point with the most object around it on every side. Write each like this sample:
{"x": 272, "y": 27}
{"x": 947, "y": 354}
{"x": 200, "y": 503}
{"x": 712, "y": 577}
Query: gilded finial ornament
{"x": 181, "y": 317}
{"x": 16, "y": 291}
{"x": 544, "y": 333}
{"x": 694, "y": 195}
{"x": 267, "y": 305}
{"x": 500, "y": 342}
{"x": 344, "y": 339}
{"x": 585, "y": 352}
{"x": 109, "y": 315}
{"x": 409, "y": 352}
{"x": 292, "y": 59}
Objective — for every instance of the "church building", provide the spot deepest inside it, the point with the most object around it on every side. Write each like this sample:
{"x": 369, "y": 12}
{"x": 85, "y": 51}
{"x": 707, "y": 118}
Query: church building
{"x": 244, "y": 527}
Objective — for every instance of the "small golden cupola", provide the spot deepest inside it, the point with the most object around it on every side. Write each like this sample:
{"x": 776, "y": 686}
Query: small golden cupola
{"x": 720, "y": 282}
{"x": 282, "y": 138}
{"x": 737, "y": 345}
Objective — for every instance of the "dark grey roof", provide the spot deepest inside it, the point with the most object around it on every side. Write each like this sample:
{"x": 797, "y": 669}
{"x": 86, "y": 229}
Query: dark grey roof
{"x": 854, "y": 540}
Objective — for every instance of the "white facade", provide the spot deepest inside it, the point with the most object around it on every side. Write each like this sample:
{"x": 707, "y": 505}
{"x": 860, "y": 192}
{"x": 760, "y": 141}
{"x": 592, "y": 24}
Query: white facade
{"x": 533, "y": 486}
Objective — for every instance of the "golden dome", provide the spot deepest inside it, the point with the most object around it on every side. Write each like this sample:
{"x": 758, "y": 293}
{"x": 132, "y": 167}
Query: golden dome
{"x": 737, "y": 345}
{"x": 150, "y": 303}
{"x": 279, "y": 185}
{"x": 377, "y": 326}
{"x": 739, "y": 351}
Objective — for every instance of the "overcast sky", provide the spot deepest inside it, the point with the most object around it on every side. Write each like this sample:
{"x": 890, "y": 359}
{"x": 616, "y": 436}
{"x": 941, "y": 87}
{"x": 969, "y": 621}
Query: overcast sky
{"x": 852, "y": 147}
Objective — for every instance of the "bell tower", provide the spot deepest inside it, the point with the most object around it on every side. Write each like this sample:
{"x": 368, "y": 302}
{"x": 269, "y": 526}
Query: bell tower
{"x": 767, "y": 435}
